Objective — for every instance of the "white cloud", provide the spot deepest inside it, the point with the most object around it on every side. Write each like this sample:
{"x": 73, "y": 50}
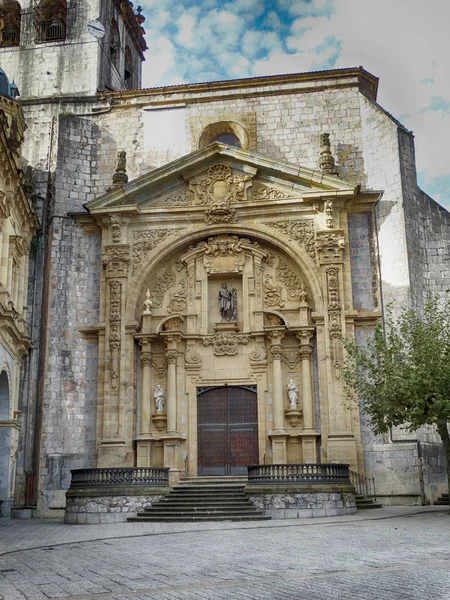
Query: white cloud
{"x": 406, "y": 44}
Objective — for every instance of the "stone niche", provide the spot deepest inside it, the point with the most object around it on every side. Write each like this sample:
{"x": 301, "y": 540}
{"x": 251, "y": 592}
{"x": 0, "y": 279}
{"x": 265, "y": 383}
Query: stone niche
{"x": 215, "y": 285}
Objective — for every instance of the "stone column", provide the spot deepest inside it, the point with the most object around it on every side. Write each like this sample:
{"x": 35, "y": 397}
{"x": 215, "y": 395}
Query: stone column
{"x": 171, "y": 356}
{"x": 307, "y": 391}
{"x": 278, "y": 434}
{"x": 277, "y": 377}
{"x": 146, "y": 390}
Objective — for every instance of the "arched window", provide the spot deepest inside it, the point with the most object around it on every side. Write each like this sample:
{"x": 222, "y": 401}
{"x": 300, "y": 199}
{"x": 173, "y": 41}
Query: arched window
{"x": 9, "y": 23}
{"x": 128, "y": 72}
{"x": 114, "y": 47}
{"x": 228, "y": 138}
{"x": 50, "y": 20}
{"x": 226, "y": 132}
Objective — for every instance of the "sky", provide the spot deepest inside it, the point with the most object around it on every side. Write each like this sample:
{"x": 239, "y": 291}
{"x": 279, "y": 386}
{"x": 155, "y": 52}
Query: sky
{"x": 405, "y": 43}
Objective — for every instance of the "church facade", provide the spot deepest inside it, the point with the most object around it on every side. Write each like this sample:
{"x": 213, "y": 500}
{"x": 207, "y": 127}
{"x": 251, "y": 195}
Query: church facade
{"x": 203, "y": 250}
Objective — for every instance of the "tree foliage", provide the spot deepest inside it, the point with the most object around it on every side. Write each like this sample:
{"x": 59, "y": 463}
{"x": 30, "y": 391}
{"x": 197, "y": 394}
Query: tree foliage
{"x": 402, "y": 376}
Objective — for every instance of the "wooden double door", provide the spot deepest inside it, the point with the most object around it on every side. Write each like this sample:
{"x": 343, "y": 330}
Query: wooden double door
{"x": 227, "y": 419}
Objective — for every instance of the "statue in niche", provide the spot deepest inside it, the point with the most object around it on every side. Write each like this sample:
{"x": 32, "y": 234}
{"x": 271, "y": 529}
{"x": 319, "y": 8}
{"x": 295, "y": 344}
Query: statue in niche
{"x": 292, "y": 393}
{"x": 159, "y": 398}
{"x": 228, "y": 303}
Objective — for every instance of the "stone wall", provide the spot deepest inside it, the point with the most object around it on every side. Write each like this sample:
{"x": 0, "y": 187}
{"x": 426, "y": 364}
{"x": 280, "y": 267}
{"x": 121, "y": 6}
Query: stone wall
{"x": 364, "y": 275}
{"x": 299, "y": 503}
{"x": 95, "y": 506}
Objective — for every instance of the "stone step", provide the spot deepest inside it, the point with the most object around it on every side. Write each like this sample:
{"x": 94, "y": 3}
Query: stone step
{"x": 206, "y": 502}
{"x": 213, "y": 480}
{"x": 173, "y": 519}
{"x": 196, "y": 502}
{"x": 161, "y": 511}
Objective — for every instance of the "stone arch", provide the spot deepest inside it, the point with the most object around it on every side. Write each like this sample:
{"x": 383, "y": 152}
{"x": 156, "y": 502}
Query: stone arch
{"x": 305, "y": 264}
{"x": 212, "y": 131}
{"x": 50, "y": 18}
{"x": 10, "y": 14}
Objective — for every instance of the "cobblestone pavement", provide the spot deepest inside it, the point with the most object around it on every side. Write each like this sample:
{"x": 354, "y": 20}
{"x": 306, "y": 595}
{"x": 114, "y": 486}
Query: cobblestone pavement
{"x": 396, "y": 554}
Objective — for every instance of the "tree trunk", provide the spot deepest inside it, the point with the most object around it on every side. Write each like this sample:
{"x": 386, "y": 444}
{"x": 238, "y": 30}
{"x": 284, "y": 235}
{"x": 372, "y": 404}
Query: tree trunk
{"x": 445, "y": 437}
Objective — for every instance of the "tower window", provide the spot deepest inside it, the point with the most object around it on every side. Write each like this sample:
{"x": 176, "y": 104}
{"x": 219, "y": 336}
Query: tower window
{"x": 114, "y": 48}
{"x": 228, "y": 138}
{"x": 50, "y": 20}
{"x": 9, "y": 23}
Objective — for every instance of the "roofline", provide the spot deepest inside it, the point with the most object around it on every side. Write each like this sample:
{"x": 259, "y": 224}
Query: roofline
{"x": 366, "y": 80}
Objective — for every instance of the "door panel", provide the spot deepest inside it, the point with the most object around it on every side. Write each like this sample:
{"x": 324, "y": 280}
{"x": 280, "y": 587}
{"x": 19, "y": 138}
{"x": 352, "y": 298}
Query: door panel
{"x": 227, "y": 430}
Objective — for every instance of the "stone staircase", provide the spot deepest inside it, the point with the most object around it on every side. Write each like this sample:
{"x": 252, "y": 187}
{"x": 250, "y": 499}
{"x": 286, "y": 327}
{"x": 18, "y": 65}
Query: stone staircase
{"x": 364, "y": 502}
{"x": 442, "y": 500}
{"x": 199, "y": 500}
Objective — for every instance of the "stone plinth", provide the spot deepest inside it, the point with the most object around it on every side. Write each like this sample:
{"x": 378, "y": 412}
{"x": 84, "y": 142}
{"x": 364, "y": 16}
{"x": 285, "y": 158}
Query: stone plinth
{"x": 97, "y": 505}
{"x": 226, "y": 326}
{"x": 303, "y": 501}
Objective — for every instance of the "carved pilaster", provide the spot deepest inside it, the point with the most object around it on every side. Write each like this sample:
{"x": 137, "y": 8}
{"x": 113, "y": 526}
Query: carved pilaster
{"x": 115, "y": 305}
{"x": 334, "y": 305}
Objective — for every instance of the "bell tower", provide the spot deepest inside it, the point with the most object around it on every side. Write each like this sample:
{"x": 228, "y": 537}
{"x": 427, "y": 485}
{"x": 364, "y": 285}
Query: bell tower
{"x": 71, "y": 47}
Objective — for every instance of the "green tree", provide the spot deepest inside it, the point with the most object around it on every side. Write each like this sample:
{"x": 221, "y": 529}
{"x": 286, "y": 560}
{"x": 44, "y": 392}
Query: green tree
{"x": 402, "y": 376}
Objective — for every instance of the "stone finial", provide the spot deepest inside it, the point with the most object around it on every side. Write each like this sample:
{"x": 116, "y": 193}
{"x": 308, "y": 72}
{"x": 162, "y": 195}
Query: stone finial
{"x": 147, "y": 304}
{"x": 120, "y": 177}
{"x": 302, "y": 294}
{"x": 326, "y": 160}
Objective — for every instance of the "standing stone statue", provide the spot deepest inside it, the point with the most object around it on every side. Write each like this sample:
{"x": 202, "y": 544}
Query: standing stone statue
{"x": 292, "y": 393}
{"x": 228, "y": 303}
{"x": 159, "y": 399}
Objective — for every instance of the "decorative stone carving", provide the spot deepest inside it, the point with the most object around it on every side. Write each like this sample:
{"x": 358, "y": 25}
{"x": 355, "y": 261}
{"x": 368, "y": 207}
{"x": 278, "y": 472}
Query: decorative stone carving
{"x": 159, "y": 398}
{"x": 162, "y": 284}
{"x": 326, "y": 160}
{"x": 145, "y": 241}
{"x": 116, "y": 225}
{"x": 120, "y": 177}
{"x": 328, "y": 212}
{"x": 178, "y": 299}
{"x": 272, "y": 293}
{"x": 147, "y": 304}
{"x": 172, "y": 356}
{"x": 173, "y": 324}
{"x": 305, "y": 351}
{"x": 262, "y": 192}
{"x": 259, "y": 354}
{"x": 220, "y": 214}
{"x": 218, "y": 189}
{"x": 192, "y": 358}
{"x": 334, "y": 306}
{"x": 146, "y": 357}
{"x": 291, "y": 360}
{"x": 159, "y": 367}
{"x": 228, "y": 303}
{"x": 225, "y": 344}
{"x": 293, "y": 283}
{"x": 292, "y": 391}
{"x": 219, "y": 185}
{"x": 301, "y": 231}
{"x": 274, "y": 320}
{"x": 276, "y": 350}
{"x": 330, "y": 247}
{"x": 116, "y": 260}
{"x": 183, "y": 198}
{"x": 226, "y": 253}
{"x": 115, "y": 301}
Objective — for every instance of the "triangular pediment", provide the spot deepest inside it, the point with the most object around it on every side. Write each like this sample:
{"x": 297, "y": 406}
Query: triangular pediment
{"x": 221, "y": 170}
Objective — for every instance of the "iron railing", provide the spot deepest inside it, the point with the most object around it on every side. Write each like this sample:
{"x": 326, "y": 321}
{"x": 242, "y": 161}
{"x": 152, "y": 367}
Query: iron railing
{"x": 304, "y": 473}
{"x": 126, "y": 476}
{"x": 364, "y": 486}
